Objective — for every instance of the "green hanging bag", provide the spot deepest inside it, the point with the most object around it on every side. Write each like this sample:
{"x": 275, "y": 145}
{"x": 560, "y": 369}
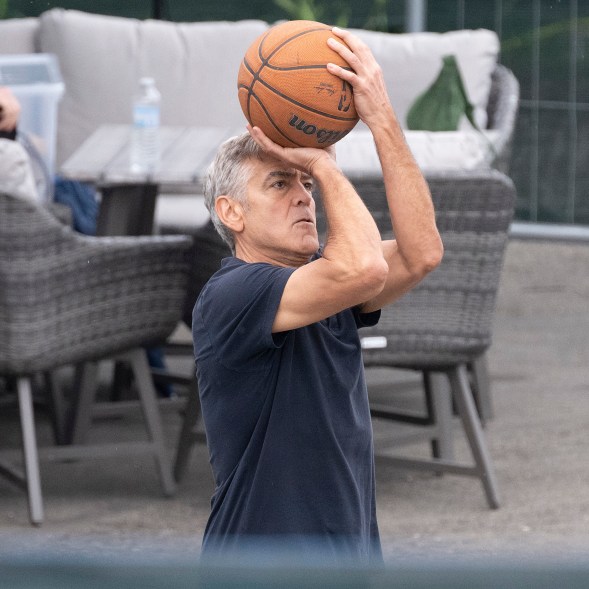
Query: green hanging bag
{"x": 442, "y": 105}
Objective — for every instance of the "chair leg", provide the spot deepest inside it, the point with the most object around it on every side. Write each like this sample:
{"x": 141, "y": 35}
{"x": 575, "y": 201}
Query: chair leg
{"x": 187, "y": 436}
{"x": 149, "y": 405}
{"x": 439, "y": 407}
{"x": 85, "y": 384}
{"x": 57, "y": 407}
{"x": 479, "y": 372}
{"x": 474, "y": 432}
{"x": 31, "y": 458}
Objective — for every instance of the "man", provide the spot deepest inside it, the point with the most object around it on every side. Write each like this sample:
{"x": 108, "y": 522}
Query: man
{"x": 275, "y": 330}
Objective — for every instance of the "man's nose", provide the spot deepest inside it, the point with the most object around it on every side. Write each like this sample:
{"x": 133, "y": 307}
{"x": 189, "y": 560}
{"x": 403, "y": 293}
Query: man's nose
{"x": 303, "y": 196}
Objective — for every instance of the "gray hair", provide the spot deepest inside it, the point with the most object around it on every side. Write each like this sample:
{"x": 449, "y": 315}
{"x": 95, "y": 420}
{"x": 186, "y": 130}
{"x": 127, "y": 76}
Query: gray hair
{"x": 228, "y": 175}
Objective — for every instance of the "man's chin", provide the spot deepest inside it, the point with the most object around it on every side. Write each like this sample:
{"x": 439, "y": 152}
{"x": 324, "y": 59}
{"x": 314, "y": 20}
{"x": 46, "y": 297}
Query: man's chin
{"x": 310, "y": 245}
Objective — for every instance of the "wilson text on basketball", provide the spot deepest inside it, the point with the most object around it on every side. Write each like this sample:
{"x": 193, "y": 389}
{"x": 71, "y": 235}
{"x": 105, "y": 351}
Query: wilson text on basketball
{"x": 323, "y": 135}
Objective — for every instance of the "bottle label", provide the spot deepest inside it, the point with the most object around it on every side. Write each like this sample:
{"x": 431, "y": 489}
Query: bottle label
{"x": 146, "y": 116}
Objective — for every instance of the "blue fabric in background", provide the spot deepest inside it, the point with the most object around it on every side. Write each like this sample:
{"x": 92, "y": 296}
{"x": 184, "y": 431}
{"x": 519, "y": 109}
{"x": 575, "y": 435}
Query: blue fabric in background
{"x": 81, "y": 200}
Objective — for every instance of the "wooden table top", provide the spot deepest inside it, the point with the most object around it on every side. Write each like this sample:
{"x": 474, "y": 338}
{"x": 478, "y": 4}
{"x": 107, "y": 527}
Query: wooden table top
{"x": 103, "y": 159}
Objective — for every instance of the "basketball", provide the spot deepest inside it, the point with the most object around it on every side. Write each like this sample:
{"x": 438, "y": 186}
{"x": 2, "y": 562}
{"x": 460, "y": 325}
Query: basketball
{"x": 284, "y": 86}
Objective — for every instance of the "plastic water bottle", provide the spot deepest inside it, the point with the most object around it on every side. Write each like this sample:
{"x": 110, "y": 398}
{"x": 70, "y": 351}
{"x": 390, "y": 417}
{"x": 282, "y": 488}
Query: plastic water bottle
{"x": 145, "y": 149}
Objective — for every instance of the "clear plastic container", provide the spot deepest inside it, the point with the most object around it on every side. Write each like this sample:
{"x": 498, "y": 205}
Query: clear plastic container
{"x": 145, "y": 145}
{"x": 36, "y": 82}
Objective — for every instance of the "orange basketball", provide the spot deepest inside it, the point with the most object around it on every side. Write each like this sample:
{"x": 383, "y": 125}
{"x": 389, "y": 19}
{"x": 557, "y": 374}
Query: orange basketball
{"x": 285, "y": 89}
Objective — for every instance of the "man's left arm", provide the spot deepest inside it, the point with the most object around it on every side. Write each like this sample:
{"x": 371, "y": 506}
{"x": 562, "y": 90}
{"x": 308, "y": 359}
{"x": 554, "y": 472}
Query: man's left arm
{"x": 417, "y": 248}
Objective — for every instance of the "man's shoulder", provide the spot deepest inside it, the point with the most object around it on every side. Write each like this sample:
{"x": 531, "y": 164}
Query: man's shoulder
{"x": 234, "y": 270}
{"x": 238, "y": 280}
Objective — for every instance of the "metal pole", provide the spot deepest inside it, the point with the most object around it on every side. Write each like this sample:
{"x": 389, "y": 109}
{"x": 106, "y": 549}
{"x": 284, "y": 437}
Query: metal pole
{"x": 415, "y": 16}
{"x": 157, "y": 10}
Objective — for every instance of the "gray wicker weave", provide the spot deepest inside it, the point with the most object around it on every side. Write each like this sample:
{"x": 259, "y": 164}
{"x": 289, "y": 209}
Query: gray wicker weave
{"x": 71, "y": 299}
{"x": 445, "y": 322}
{"x": 447, "y": 318}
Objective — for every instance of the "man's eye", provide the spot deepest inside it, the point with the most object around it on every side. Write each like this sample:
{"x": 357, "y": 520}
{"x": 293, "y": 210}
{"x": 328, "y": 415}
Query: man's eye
{"x": 279, "y": 184}
{"x": 309, "y": 186}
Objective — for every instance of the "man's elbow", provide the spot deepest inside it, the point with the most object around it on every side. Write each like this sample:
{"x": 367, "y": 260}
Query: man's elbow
{"x": 366, "y": 277}
{"x": 430, "y": 259}
{"x": 374, "y": 276}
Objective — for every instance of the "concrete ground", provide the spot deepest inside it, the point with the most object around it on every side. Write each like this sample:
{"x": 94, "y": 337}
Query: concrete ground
{"x": 539, "y": 366}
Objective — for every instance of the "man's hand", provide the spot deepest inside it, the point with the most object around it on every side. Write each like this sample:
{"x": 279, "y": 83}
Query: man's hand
{"x": 366, "y": 78}
{"x": 9, "y": 110}
{"x": 305, "y": 159}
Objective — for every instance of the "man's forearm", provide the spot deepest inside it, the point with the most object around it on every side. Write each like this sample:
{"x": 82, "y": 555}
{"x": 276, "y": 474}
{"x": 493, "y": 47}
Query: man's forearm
{"x": 353, "y": 237}
{"x": 409, "y": 199}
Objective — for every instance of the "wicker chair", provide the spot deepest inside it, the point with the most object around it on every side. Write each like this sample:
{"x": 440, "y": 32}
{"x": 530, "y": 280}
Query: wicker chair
{"x": 445, "y": 323}
{"x": 67, "y": 299}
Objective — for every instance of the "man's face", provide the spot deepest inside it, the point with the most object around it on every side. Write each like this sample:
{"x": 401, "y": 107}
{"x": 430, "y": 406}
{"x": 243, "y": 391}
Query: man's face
{"x": 279, "y": 215}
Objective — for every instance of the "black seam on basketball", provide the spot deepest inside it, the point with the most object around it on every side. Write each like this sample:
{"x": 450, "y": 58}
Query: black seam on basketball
{"x": 308, "y": 108}
{"x": 249, "y": 93}
{"x": 305, "y": 32}
{"x": 302, "y": 67}
{"x": 255, "y": 96}
{"x": 265, "y": 61}
{"x": 250, "y": 88}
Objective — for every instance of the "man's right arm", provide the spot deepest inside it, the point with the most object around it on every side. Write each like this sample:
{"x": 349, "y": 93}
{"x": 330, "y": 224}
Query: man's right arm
{"x": 352, "y": 269}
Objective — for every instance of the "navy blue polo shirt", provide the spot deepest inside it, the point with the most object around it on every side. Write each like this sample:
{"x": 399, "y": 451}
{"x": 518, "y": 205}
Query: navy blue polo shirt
{"x": 286, "y": 417}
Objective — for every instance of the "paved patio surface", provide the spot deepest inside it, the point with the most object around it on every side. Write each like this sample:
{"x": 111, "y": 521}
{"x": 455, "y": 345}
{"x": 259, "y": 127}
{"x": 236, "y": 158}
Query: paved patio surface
{"x": 539, "y": 366}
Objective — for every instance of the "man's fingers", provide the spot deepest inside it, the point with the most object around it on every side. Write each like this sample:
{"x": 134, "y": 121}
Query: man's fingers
{"x": 262, "y": 140}
{"x": 355, "y": 44}
{"x": 345, "y": 53}
{"x": 340, "y": 72}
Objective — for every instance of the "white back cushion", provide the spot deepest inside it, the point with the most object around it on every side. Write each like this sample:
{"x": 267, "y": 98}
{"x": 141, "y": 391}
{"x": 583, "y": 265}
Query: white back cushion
{"x": 102, "y": 58}
{"x": 18, "y": 35}
{"x": 411, "y": 62}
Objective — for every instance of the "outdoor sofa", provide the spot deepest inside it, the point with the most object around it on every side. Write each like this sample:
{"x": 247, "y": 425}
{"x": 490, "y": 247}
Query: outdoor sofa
{"x": 101, "y": 59}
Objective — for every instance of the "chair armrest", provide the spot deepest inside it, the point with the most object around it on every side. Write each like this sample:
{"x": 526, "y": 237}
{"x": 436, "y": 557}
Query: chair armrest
{"x": 62, "y": 213}
{"x": 502, "y": 111}
{"x": 91, "y": 297}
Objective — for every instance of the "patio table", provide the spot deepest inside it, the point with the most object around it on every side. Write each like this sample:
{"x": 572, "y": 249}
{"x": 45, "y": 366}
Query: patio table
{"x": 127, "y": 198}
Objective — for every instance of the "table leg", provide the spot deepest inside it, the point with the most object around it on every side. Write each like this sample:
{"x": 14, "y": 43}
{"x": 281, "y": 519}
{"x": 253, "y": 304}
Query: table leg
{"x": 127, "y": 210}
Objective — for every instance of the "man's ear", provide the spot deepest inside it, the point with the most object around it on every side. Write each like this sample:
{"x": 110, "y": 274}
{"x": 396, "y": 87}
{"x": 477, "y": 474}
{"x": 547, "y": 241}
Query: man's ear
{"x": 230, "y": 213}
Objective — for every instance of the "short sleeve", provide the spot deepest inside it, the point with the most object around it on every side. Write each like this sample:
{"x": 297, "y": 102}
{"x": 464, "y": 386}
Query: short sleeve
{"x": 366, "y": 319}
{"x": 236, "y": 311}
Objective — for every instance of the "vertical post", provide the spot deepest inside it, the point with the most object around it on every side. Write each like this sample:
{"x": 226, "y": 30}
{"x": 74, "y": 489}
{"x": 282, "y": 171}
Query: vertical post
{"x": 157, "y": 10}
{"x": 573, "y": 128}
{"x": 535, "y": 114}
{"x": 415, "y": 16}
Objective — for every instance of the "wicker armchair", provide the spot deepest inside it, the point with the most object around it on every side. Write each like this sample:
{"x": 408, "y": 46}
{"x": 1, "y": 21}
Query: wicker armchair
{"x": 69, "y": 299}
{"x": 445, "y": 322}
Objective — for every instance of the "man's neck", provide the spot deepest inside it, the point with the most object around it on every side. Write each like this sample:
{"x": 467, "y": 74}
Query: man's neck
{"x": 275, "y": 258}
